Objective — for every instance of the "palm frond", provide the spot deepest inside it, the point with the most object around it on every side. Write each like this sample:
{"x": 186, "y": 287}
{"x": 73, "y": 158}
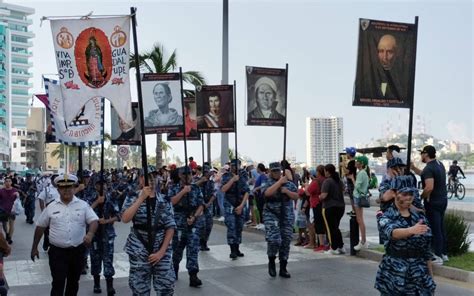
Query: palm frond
{"x": 194, "y": 77}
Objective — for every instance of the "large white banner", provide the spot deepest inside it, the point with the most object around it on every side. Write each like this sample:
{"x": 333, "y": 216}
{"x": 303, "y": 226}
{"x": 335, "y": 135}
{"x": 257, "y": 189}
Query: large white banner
{"x": 93, "y": 62}
{"x": 85, "y": 129}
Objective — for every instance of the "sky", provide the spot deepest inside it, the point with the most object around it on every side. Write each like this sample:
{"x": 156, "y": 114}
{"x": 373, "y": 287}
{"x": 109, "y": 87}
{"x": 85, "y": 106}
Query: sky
{"x": 318, "y": 39}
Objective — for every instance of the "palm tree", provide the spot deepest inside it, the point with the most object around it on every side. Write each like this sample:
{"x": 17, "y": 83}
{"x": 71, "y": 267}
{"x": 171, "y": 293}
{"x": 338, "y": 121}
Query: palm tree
{"x": 154, "y": 61}
{"x": 165, "y": 147}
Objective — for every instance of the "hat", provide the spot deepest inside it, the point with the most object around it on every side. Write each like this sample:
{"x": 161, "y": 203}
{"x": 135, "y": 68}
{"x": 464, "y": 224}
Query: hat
{"x": 395, "y": 162}
{"x": 65, "y": 180}
{"x": 430, "y": 150}
{"x": 235, "y": 162}
{"x": 362, "y": 159}
{"x": 86, "y": 173}
{"x": 408, "y": 190}
{"x": 206, "y": 168}
{"x": 351, "y": 151}
{"x": 184, "y": 170}
{"x": 267, "y": 81}
{"x": 394, "y": 148}
{"x": 275, "y": 166}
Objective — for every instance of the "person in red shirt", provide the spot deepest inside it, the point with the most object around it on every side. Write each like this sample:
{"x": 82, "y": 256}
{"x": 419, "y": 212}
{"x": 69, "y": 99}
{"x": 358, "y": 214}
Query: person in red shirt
{"x": 314, "y": 190}
{"x": 8, "y": 195}
{"x": 192, "y": 164}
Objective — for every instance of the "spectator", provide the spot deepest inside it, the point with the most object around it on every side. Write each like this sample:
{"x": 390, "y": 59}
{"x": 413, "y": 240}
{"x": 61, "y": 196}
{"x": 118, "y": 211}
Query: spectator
{"x": 314, "y": 190}
{"x": 361, "y": 189}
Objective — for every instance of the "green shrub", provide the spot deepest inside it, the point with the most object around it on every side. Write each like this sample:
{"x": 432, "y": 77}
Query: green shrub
{"x": 457, "y": 231}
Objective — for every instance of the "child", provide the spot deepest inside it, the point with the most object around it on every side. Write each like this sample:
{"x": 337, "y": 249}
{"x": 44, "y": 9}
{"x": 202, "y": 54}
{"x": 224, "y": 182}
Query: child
{"x": 301, "y": 219}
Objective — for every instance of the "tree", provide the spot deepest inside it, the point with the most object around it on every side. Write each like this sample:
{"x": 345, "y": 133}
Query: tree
{"x": 165, "y": 147}
{"x": 154, "y": 61}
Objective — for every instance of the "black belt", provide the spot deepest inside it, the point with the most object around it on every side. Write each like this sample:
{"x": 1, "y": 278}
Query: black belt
{"x": 405, "y": 254}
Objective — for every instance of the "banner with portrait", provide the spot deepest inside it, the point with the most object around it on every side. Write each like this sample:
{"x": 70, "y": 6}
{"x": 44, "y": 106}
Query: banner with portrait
{"x": 215, "y": 108}
{"x": 191, "y": 123}
{"x": 122, "y": 132}
{"x": 162, "y": 102}
{"x": 266, "y": 96}
{"x": 85, "y": 129}
{"x": 385, "y": 64}
{"x": 92, "y": 56}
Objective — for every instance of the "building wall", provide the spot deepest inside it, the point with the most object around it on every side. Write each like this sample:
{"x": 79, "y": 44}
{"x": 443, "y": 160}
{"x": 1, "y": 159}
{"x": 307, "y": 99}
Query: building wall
{"x": 15, "y": 54}
{"x": 324, "y": 140}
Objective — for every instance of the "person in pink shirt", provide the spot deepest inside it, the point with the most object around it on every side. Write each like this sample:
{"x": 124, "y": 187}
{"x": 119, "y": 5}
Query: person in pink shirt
{"x": 314, "y": 190}
{"x": 8, "y": 195}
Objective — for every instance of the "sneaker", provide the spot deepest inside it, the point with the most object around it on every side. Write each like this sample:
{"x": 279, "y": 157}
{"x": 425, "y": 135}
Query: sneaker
{"x": 445, "y": 258}
{"x": 361, "y": 245}
{"x": 320, "y": 249}
{"x": 261, "y": 226}
{"x": 221, "y": 219}
{"x": 332, "y": 252}
{"x": 437, "y": 260}
{"x": 342, "y": 251}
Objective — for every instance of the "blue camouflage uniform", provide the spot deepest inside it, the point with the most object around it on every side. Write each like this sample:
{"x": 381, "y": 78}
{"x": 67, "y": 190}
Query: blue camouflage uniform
{"x": 278, "y": 217}
{"x": 208, "y": 191}
{"x": 102, "y": 249}
{"x": 141, "y": 272}
{"x": 232, "y": 199}
{"x": 186, "y": 236}
{"x": 403, "y": 269}
{"x": 29, "y": 189}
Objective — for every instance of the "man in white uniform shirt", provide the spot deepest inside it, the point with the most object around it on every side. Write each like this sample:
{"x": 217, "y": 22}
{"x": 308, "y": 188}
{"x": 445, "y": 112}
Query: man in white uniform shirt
{"x": 66, "y": 218}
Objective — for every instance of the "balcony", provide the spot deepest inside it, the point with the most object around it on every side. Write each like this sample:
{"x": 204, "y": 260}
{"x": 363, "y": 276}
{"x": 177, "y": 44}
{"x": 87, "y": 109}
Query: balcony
{"x": 22, "y": 85}
{"x": 23, "y": 65}
{"x": 21, "y": 75}
{"x": 2, "y": 73}
{"x": 3, "y": 99}
{"x": 19, "y": 43}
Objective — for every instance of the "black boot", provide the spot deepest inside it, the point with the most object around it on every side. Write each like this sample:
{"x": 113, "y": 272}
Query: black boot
{"x": 84, "y": 269}
{"x": 110, "y": 286}
{"x": 97, "y": 289}
{"x": 271, "y": 266}
{"x": 237, "y": 250}
{"x": 233, "y": 252}
{"x": 194, "y": 281}
{"x": 204, "y": 246}
{"x": 283, "y": 272}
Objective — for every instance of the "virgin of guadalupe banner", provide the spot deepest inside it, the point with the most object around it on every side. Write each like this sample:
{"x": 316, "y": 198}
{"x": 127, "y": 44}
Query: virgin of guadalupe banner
{"x": 191, "y": 123}
{"x": 215, "y": 108}
{"x": 162, "y": 102}
{"x": 92, "y": 56}
{"x": 122, "y": 132}
{"x": 266, "y": 96}
{"x": 385, "y": 64}
{"x": 85, "y": 129}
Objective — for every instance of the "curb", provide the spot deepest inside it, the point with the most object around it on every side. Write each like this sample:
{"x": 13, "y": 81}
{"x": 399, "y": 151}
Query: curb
{"x": 443, "y": 271}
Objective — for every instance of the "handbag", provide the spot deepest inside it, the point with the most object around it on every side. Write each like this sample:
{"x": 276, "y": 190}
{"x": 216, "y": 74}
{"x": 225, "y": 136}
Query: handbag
{"x": 17, "y": 207}
{"x": 363, "y": 200}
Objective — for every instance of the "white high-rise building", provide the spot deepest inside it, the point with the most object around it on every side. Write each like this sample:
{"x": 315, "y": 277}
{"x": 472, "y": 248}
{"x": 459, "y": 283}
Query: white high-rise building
{"x": 15, "y": 54}
{"x": 324, "y": 140}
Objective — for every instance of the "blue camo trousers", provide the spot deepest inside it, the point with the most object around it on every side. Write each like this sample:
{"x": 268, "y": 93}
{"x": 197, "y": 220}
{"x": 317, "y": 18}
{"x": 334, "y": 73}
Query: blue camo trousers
{"x": 102, "y": 252}
{"x": 30, "y": 208}
{"x": 234, "y": 223}
{"x": 207, "y": 224}
{"x": 278, "y": 234}
{"x": 186, "y": 236}
{"x": 161, "y": 274}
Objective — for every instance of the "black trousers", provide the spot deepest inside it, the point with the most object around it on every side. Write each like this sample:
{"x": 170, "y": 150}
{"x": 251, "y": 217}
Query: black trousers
{"x": 332, "y": 218}
{"x": 66, "y": 265}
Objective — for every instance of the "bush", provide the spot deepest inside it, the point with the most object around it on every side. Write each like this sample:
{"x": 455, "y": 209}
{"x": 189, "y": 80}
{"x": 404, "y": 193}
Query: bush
{"x": 457, "y": 231}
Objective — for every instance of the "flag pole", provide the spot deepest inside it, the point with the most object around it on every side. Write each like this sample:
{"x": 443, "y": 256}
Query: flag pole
{"x": 133, "y": 11}
{"x": 184, "y": 126}
{"x": 235, "y": 125}
{"x": 286, "y": 113}
{"x": 412, "y": 103}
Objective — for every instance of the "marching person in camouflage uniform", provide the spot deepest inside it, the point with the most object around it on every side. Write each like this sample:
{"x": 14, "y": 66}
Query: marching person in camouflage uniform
{"x": 188, "y": 205}
{"x": 236, "y": 189}
{"x": 28, "y": 194}
{"x": 144, "y": 267}
{"x": 102, "y": 249}
{"x": 406, "y": 266}
{"x": 208, "y": 192}
{"x": 278, "y": 217}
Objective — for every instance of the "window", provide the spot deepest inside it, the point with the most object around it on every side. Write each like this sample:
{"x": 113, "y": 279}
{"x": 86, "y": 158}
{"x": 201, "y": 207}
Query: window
{"x": 19, "y": 39}
{"x": 23, "y": 154}
{"x": 14, "y": 145}
{"x": 23, "y": 143}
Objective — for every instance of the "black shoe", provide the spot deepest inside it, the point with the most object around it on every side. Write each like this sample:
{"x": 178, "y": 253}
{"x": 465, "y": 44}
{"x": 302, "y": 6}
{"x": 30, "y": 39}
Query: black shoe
{"x": 97, "y": 289}
{"x": 204, "y": 246}
{"x": 233, "y": 253}
{"x": 176, "y": 269}
{"x": 283, "y": 272}
{"x": 271, "y": 266}
{"x": 237, "y": 250}
{"x": 194, "y": 281}
{"x": 110, "y": 286}
{"x": 9, "y": 240}
{"x": 84, "y": 271}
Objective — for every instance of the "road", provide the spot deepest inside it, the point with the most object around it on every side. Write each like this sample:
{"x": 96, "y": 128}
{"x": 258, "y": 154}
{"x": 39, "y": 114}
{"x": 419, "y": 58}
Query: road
{"x": 312, "y": 273}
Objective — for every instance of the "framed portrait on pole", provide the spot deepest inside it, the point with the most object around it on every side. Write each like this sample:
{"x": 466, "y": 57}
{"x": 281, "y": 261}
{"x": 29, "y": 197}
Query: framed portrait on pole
{"x": 162, "y": 102}
{"x": 191, "y": 123}
{"x": 385, "y": 64}
{"x": 122, "y": 132}
{"x": 266, "y": 96}
{"x": 215, "y": 108}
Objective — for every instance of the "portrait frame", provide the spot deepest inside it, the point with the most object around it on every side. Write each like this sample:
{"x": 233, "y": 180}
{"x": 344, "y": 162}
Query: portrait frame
{"x": 131, "y": 137}
{"x": 205, "y": 122}
{"x": 191, "y": 123}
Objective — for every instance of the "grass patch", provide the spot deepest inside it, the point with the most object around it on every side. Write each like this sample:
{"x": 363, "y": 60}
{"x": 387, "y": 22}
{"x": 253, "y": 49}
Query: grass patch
{"x": 464, "y": 262}
{"x": 380, "y": 249}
